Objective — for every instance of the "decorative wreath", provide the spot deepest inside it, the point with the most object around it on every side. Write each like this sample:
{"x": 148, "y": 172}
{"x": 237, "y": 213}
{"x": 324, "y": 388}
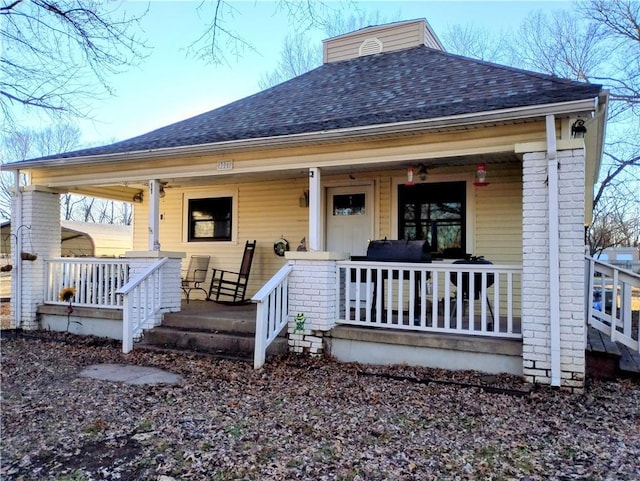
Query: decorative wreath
{"x": 281, "y": 246}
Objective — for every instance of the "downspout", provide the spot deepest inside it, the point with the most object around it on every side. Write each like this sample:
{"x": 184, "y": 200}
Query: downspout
{"x": 554, "y": 246}
{"x": 17, "y": 261}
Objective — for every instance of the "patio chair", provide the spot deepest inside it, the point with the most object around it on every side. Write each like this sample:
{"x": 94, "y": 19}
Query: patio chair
{"x": 232, "y": 286}
{"x": 196, "y": 274}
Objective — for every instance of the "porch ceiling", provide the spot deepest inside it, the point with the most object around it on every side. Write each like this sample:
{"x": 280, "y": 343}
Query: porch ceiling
{"x": 296, "y": 173}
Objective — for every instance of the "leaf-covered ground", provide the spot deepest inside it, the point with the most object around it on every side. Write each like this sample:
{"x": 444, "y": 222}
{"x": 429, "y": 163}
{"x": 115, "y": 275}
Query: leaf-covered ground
{"x": 299, "y": 418}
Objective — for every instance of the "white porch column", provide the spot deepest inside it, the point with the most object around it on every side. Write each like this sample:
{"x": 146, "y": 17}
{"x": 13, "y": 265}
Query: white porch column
{"x": 35, "y": 229}
{"x": 537, "y": 308}
{"x": 315, "y": 211}
{"x": 154, "y": 215}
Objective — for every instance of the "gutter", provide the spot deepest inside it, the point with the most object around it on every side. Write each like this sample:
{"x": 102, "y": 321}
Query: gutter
{"x": 554, "y": 254}
{"x": 17, "y": 261}
{"x": 345, "y": 134}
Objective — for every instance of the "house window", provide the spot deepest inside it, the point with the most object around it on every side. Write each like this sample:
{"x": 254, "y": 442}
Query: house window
{"x": 435, "y": 212}
{"x": 210, "y": 219}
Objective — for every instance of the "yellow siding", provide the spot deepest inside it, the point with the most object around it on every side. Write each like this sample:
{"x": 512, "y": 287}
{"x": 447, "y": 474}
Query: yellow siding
{"x": 498, "y": 219}
{"x": 266, "y": 211}
{"x": 393, "y": 37}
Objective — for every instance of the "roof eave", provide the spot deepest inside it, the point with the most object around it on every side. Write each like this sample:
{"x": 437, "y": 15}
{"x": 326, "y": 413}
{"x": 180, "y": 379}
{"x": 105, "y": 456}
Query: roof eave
{"x": 349, "y": 133}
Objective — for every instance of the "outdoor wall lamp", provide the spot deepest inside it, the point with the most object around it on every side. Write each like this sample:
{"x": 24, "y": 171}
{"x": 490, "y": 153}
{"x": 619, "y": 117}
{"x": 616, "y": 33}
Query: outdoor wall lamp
{"x": 578, "y": 130}
{"x": 137, "y": 197}
{"x": 481, "y": 176}
{"x": 422, "y": 172}
{"x": 303, "y": 200}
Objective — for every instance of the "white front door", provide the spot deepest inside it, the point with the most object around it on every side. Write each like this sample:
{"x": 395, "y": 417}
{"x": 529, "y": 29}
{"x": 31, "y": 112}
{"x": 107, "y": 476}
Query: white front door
{"x": 349, "y": 219}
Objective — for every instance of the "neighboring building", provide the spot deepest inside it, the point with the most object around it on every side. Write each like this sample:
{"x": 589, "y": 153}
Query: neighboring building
{"x": 80, "y": 239}
{"x": 626, "y": 257}
{"x": 391, "y": 138}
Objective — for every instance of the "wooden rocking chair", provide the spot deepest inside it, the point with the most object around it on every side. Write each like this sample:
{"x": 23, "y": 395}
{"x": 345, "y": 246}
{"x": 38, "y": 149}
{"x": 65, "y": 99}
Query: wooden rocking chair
{"x": 232, "y": 286}
{"x": 196, "y": 274}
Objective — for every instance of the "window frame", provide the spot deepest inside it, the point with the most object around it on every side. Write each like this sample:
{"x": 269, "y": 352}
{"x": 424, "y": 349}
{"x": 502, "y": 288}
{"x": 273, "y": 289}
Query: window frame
{"x": 469, "y": 231}
{"x": 186, "y": 216}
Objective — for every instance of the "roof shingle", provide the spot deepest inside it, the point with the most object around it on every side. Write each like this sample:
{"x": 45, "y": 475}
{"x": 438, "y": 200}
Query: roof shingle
{"x": 414, "y": 84}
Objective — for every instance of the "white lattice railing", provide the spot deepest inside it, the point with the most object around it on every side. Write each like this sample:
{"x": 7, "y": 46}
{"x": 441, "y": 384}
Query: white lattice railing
{"x": 95, "y": 280}
{"x": 272, "y": 314}
{"x": 142, "y": 303}
{"x": 613, "y": 302}
{"x": 424, "y": 297}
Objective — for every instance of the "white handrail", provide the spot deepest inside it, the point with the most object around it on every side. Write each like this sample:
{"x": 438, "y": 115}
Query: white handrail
{"x": 142, "y": 297}
{"x": 272, "y": 313}
{"x": 619, "y": 292}
{"x": 376, "y": 294}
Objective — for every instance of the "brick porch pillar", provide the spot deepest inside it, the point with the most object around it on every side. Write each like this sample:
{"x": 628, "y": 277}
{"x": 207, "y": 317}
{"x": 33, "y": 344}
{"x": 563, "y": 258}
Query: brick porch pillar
{"x": 37, "y": 224}
{"x": 312, "y": 299}
{"x": 536, "y": 313}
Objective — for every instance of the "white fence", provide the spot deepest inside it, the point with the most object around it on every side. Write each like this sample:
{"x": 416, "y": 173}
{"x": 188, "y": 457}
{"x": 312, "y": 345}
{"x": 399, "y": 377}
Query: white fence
{"x": 480, "y": 299}
{"x": 142, "y": 302}
{"x": 613, "y": 302}
{"x": 95, "y": 281}
{"x": 272, "y": 313}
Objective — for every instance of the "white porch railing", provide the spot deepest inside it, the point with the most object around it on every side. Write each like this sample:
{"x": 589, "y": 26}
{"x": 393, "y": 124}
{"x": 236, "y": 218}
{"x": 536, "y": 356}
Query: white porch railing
{"x": 424, "y": 297}
{"x": 95, "y": 280}
{"x": 272, "y": 313}
{"x": 142, "y": 302}
{"x": 613, "y": 302}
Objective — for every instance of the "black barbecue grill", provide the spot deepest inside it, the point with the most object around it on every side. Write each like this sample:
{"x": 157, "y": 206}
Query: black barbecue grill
{"x": 477, "y": 281}
{"x": 386, "y": 250}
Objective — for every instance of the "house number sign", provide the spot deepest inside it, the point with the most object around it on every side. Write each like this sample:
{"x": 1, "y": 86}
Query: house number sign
{"x": 225, "y": 165}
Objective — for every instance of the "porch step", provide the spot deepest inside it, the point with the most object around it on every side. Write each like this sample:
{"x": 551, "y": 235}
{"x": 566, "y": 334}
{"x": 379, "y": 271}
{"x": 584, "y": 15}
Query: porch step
{"x": 609, "y": 360}
{"x": 219, "y": 343}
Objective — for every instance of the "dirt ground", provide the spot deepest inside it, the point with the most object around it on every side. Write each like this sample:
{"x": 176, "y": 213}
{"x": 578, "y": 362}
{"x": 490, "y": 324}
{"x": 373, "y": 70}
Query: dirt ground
{"x": 299, "y": 418}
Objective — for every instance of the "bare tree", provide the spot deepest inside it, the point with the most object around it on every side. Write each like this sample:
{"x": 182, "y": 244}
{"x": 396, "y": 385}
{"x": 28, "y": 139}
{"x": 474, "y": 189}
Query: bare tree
{"x": 301, "y": 52}
{"x": 477, "y": 42}
{"x": 298, "y": 55}
{"x": 601, "y": 46}
{"x": 620, "y": 21}
{"x": 29, "y": 143}
{"x": 57, "y": 54}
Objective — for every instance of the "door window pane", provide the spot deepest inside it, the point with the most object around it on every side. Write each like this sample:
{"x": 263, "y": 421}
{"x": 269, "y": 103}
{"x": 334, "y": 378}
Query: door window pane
{"x": 349, "y": 204}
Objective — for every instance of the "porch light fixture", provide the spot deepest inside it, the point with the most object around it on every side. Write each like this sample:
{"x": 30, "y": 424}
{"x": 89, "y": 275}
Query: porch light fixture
{"x": 409, "y": 181}
{"x": 422, "y": 172}
{"x": 161, "y": 192}
{"x": 481, "y": 176}
{"x": 137, "y": 197}
{"x": 578, "y": 130}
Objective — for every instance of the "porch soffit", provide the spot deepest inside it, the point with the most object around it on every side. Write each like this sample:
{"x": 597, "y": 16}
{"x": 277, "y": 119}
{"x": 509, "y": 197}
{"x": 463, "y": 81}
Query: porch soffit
{"x": 482, "y": 143}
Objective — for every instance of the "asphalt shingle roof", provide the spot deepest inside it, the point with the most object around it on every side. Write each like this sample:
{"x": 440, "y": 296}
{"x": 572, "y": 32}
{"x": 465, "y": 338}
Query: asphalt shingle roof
{"x": 413, "y": 84}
